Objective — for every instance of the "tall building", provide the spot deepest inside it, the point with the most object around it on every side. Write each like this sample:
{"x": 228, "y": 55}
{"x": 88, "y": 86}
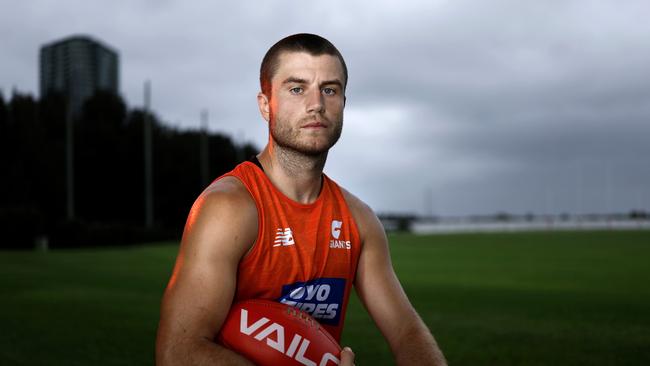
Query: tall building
{"x": 78, "y": 66}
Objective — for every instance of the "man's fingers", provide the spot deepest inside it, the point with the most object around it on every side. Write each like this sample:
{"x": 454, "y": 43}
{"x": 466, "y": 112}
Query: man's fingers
{"x": 347, "y": 357}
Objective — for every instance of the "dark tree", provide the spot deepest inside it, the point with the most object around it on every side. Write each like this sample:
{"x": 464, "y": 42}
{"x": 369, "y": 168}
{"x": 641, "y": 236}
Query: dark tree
{"x": 99, "y": 157}
{"x": 51, "y": 116}
{"x": 3, "y": 115}
{"x": 21, "y": 150}
{"x": 109, "y": 172}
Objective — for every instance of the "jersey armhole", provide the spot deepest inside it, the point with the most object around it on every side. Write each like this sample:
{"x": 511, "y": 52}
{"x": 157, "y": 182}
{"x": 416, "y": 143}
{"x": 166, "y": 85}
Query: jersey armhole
{"x": 352, "y": 211}
{"x": 355, "y": 224}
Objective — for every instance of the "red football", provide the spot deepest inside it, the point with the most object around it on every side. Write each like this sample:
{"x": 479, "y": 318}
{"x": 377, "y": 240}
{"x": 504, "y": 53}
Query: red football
{"x": 270, "y": 333}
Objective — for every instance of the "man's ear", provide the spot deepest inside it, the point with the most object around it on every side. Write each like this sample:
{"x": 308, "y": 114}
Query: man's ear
{"x": 263, "y": 104}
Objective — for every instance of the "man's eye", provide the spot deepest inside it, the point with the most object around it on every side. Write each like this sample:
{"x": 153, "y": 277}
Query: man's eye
{"x": 329, "y": 91}
{"x": 296, "y": 90}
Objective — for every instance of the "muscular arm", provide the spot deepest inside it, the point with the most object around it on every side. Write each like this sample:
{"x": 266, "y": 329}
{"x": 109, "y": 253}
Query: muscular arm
{"x": 220, "y": 229}
{"x": 381, "y": 293}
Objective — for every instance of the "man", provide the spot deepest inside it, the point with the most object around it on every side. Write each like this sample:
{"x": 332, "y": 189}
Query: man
{"x": 277, "y": 227}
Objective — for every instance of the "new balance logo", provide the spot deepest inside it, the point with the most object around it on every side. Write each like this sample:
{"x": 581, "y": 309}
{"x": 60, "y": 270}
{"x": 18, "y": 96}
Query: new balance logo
{"x": 283, "y": 237}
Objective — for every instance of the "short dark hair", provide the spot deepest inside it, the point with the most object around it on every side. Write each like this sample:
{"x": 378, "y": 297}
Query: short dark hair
{"x": 302, "y": 42}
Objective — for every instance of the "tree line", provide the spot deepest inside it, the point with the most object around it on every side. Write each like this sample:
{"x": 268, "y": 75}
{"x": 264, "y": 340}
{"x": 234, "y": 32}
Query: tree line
{"x": 108, "y": 172}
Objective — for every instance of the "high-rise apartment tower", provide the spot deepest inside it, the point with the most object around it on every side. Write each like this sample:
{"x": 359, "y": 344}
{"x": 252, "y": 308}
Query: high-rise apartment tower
{"x": 77, "y": 67}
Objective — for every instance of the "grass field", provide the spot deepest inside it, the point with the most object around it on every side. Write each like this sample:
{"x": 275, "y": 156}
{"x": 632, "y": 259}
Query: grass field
{"x": 557, "y": 298}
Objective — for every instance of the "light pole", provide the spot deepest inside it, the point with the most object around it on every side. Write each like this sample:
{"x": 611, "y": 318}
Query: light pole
{"x": 148, "y": 168}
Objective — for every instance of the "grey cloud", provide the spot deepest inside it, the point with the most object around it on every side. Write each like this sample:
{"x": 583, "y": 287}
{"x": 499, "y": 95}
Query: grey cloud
{"x": 500, "y": 105}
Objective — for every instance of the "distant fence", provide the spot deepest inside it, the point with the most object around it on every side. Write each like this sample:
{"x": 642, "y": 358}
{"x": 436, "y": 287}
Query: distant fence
{"x": 506, "y": 222}
{"x": 459, "y": 226}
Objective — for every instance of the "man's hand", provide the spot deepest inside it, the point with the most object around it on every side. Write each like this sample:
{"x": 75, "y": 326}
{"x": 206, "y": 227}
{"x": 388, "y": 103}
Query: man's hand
{"x": 347, "y": 357}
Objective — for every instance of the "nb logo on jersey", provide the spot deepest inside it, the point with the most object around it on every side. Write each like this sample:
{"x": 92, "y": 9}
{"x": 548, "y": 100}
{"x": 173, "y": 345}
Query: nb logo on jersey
{"x": 283, "y": 237}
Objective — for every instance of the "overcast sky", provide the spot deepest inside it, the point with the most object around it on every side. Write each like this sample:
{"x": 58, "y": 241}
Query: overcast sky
{"x": 453, "y": 107}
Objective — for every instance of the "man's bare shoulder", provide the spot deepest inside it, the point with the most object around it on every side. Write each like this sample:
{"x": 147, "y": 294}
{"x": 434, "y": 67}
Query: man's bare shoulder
{"x": 224, "y": 194}
{"x": 364, "y": 216}
{"x": 355, "y": 203}
{"x": 229, "y": 186}
{"x": 223, "y": 213}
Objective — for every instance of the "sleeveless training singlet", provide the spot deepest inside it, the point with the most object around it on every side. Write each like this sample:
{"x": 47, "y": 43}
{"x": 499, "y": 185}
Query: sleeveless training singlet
{"x": 305, "y": 255}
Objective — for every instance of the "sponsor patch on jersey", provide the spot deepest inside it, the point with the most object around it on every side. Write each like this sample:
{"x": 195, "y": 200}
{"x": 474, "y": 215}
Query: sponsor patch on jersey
{"x": 322, "y": 298}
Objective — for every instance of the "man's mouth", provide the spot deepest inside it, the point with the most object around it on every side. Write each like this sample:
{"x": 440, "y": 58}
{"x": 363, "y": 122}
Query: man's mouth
{"x": 315, "y": 124}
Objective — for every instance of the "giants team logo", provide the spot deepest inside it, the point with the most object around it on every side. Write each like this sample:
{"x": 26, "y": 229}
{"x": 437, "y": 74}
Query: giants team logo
{"x": 322, "y": 298}
{"x": 336, "y": 232}
{"x": 336, "y": 228}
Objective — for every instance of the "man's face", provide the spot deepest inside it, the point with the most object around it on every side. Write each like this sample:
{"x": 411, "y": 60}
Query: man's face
{"x": 307, "y": 100}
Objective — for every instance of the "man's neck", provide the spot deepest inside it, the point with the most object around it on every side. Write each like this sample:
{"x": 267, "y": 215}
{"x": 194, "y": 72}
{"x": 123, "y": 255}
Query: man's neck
{"x": 296, "y": 175}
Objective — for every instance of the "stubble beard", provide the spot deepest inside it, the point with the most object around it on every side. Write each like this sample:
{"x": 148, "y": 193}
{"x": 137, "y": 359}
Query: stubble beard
{"x": 287, "y": 139}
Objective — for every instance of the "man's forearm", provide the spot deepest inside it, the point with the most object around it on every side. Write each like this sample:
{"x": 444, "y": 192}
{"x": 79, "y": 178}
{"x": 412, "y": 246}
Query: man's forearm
{"x": 199, "y": 352}
{"x": 418, "y": 347}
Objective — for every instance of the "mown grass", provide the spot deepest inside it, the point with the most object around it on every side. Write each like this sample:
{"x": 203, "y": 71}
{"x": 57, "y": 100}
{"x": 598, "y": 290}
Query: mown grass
{"x": 555, "y": 298}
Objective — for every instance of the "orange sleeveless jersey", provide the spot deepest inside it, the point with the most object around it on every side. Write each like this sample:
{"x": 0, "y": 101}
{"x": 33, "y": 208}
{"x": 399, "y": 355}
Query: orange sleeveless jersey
{"x": 305, "y": 255}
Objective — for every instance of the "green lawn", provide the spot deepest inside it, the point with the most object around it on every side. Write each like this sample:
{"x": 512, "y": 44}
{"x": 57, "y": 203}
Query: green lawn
{"x": 557, "y": 298}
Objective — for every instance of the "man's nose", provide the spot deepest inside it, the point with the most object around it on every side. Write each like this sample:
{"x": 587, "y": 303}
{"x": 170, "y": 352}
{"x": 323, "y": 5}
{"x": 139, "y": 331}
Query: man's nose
{"x": 314, "y": 101}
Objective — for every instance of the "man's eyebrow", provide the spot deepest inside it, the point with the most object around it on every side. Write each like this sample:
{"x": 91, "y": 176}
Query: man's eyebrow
{"x": 336, "y": 82}
{"x": 292, "y": 79}
{"x": 296, "y": 80}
